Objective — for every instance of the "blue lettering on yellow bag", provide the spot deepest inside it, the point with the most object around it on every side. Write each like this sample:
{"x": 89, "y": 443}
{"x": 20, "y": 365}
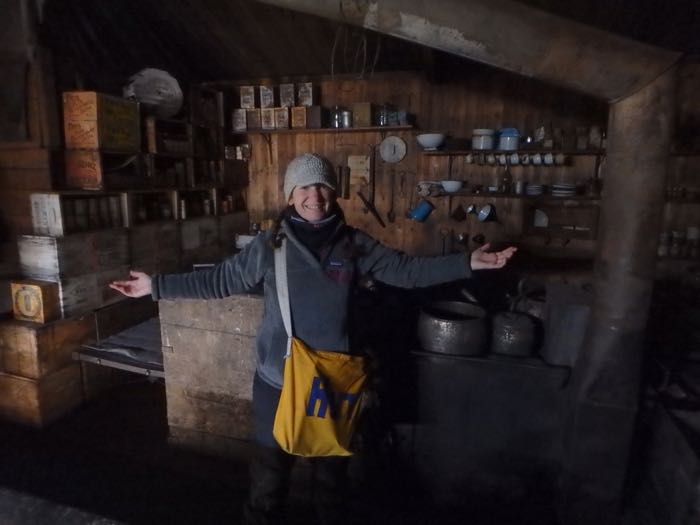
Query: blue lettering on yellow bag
{"x": 321, "y": 392}
{"x": 320, "y": 402}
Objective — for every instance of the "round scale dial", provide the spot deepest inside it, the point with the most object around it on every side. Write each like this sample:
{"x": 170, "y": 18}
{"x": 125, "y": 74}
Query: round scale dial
{"x": 392, "y": 149}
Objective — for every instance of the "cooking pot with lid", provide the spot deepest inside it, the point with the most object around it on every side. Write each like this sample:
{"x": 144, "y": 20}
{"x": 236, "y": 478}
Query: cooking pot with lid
{"x": 453, "y": 327}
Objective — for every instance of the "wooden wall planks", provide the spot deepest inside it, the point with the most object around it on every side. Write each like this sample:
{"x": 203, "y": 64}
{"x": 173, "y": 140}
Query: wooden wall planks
{"x": 488, "y": 98}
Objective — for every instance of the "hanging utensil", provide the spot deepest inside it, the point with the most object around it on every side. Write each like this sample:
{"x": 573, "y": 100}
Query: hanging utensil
{"x": 390, "y": 215}
{"x": 370, "y": 208}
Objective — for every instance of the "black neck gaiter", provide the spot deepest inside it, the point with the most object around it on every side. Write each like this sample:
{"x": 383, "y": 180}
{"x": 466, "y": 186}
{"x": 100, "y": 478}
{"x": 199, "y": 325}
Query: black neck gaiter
{"x": 314, "y": 235}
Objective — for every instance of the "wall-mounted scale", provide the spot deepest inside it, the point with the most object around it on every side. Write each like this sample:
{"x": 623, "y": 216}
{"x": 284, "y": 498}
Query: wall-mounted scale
{"x": 391, "y": 150}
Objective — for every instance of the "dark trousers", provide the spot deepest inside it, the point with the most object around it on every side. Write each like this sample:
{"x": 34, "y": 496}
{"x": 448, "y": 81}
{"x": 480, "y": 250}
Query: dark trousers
{"x": 270, "y": 471}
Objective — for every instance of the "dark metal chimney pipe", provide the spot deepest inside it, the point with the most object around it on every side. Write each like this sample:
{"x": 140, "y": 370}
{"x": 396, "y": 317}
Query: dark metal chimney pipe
{"x": 606, "y": 377}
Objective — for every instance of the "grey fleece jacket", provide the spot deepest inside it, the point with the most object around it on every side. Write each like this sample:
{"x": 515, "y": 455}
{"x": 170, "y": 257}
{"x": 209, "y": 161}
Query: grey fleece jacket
{"x": 319, "y": 291}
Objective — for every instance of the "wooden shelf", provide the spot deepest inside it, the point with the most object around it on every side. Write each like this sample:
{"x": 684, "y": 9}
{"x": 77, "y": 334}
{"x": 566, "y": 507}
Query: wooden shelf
{"x": 380, "y": 129}
{"x": 462, "y": 152}
{"x": 533, "y": 198}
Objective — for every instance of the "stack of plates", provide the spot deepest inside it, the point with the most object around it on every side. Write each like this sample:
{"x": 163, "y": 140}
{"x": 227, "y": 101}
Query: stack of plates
{"x": 563, "y": 189}
{"x": 534, "y": 189}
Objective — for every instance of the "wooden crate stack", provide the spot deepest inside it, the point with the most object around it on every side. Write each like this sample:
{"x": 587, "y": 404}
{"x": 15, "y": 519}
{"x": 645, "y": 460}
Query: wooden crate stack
{"x": 209, "y": 392}
{"x": 39, "y": 382}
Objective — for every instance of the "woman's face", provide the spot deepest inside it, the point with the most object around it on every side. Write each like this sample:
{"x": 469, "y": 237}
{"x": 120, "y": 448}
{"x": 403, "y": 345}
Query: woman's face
{"x": 312, "y": 202}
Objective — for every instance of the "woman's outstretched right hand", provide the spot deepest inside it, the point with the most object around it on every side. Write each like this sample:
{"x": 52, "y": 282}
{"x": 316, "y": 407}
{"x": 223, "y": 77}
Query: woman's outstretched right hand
{"x": 138, "y": 286}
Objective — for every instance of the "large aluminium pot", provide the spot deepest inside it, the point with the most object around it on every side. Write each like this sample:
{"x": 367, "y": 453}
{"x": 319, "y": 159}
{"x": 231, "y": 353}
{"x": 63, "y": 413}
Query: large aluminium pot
{"x": 453, "y": 327}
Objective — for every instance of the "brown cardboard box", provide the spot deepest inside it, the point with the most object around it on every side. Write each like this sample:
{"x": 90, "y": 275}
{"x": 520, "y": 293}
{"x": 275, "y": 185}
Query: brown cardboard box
{"x": 306, "y": 117}
{"x": 282, "y": 118}
{"x": 36, "y": 301}
{"x": 254, "y": 119}
{"x": 362, "y": 114}
{"x": 97, "y": 121}
{"x": 268, "y": 118}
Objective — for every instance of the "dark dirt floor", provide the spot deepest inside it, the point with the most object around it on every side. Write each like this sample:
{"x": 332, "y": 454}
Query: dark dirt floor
{"x": 110, "y": 462}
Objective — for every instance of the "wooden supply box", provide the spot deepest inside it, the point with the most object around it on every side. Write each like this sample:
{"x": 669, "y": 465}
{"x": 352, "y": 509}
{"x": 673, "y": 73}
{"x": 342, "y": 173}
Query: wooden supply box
{"x": 53, "y": 258}
{"x": 310, "y": 117}
{"x": 36, "y": 301}
{"x": 95, "y": 170}
{"x": 209, "y": 392}
{"x": 168, "y": 137}
{"x": 58, "y": 214}
{"x": 97, "y": 121}
{"x": 34, "y": 351}
{"x": 38, "y": 402}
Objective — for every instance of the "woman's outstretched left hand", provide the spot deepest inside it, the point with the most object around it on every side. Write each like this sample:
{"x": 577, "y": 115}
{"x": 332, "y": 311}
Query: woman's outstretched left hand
{"x": 481, "y": 259}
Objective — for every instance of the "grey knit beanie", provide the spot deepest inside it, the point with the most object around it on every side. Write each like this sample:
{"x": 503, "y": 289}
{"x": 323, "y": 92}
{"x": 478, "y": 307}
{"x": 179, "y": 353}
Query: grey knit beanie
{"x": 308, "y": 169}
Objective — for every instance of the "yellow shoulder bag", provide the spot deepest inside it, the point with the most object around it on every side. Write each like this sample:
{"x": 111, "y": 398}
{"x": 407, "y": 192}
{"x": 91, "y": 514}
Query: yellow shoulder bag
{"x": 321, "y": 393}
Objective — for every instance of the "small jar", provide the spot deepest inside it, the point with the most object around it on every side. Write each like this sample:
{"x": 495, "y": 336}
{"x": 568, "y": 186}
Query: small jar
{"x": 482, "y": 138}
{"x": 336, "y": 117}
{"x": 383, "y": 115}
{"x": 346, "y": 118}
{"x": 508, "y": 139}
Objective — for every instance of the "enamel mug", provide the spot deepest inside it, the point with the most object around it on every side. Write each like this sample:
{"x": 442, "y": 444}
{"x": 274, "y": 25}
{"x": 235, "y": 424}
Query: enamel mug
{"x": 422, "y": 210}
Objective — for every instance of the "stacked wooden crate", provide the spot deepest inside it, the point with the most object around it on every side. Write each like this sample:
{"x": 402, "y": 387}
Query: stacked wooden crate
{"x": 39, "y": 382}
{"x": 209, "y": 360}
{"x": 82, "y": 264}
